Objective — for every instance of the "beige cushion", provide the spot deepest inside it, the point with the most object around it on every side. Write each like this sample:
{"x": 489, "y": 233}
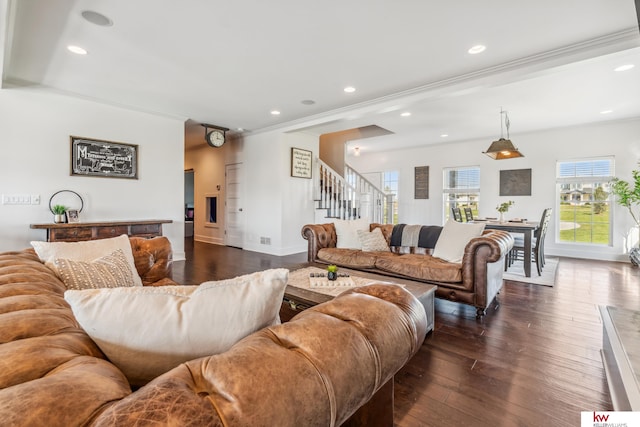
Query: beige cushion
{"x": 347, "y": 232}
{"x": 109, "y": 271}
{"x": 87, "y": 251}
{"x": 373, "y": 241}
{"x": 454, "y": 238}
{"x": 146, "y": 331}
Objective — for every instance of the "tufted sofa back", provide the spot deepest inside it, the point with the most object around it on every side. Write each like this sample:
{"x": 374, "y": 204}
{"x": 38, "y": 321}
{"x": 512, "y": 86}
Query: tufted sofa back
{"x": 318, "y": 369}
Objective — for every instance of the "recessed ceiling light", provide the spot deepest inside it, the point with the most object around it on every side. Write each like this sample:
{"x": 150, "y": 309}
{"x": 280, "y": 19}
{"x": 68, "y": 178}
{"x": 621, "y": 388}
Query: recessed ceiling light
{"x": 307, "y": 102}
{"x": 275, "y": 112}
{"x": 444, "y": 135}
{"x": 240, "y": 129}
{"x": 606, "y": 111}
{"x": 624, "y": 67}
{"x": 96, "y": 18}
{"x": 349, "y": 89}
{"x": 77, "y": 50}
{"x": 406, "y": 114}
{"x": 477, "y": 49}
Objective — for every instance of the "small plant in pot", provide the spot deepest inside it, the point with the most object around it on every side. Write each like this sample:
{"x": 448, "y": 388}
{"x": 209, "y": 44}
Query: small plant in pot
{"x": 59, "y": 213}
{"x": 504, "y": 208}
{"x": 332, "y": 272}
{"x": 629, "y": 197}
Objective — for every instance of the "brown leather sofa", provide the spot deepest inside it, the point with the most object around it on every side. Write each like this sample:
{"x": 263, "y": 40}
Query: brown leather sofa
{"x": 333, "y": 364}
{"x": 476, "y": 281}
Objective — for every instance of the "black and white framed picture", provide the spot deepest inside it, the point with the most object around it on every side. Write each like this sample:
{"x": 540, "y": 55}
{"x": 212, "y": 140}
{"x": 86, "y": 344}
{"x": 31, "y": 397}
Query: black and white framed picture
{"x": 95, "y": 157}
{"x": 301, "y": 163}
{"x": 73, "y": 215}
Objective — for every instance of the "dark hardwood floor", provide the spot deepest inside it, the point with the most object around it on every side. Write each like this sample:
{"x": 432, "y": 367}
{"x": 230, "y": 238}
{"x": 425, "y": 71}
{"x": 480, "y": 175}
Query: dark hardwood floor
{"x": 533, "y": 361}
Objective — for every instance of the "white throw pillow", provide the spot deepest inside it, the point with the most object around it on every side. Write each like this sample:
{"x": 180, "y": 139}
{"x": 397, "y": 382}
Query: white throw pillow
{"x": 454, "y": 238}
{"x": 373, "y": 241}
{"x": 146, "y": 331}
{"x": 109, "y": 271}
{"x": 347, "y": 232}
{"x": 87, "y": 251}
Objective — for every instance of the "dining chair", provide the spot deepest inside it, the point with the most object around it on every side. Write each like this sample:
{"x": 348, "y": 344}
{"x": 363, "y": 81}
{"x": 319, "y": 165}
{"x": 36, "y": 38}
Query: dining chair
{"x": 468, "y": 214}
{"x": 457, "y": 215}
{"x": 537, "y": 244}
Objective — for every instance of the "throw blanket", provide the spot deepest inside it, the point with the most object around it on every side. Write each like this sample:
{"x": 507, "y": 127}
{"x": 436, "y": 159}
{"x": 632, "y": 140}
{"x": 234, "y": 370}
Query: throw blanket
{"x": 424, "y": 236}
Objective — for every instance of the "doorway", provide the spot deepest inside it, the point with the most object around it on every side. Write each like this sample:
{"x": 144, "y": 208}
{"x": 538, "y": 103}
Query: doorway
{"x": 189, "y": 205}
{"x": 234, "y": 218}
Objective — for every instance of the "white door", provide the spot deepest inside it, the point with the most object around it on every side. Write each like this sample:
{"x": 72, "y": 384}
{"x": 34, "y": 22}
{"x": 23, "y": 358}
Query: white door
{"x": 234, "y": 219}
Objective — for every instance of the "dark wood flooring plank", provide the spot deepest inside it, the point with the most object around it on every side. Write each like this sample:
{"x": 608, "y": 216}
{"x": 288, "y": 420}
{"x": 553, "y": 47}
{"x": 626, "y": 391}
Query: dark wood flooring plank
{"x": 533, "y": 360}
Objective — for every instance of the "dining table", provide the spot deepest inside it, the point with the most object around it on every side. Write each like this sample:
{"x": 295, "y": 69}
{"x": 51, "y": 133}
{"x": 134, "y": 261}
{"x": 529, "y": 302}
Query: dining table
{"x": 527, "y": 228}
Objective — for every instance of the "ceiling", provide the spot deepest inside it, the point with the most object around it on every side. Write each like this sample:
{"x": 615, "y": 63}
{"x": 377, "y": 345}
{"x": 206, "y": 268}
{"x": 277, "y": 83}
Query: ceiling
{"x": 549, "y": 63}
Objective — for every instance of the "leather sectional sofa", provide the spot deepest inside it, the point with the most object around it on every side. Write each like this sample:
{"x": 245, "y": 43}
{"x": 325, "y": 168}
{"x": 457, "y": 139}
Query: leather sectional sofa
{"x": 475, "y": 281}
{"x": 333, "y": 364}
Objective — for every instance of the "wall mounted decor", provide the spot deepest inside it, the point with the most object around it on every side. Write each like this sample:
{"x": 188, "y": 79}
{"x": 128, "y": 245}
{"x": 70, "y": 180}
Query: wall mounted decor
{"x": 300, "y": 163}
{"x": 94, "y": 157}
{"x": 421, "y": 185}
{"x": 516, "y": 182}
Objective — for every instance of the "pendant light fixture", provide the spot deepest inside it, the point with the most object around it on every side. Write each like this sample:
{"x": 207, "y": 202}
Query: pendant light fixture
{"x": 503, "y": 148}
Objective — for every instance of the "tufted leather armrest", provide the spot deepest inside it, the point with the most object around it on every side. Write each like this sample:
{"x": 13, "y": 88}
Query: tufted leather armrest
{"x": 315, "y": 370}
{"x": 488, "y": 248}
{"x": 319, "y": 236}
{"x": 499, "y": 242}
{"x": 153, "y": 258}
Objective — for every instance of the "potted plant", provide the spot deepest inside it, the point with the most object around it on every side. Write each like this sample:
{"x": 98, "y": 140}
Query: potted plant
{"x": 629, "y": 197}
{"x": 503, "y": 208}
{"x": 332, "y": 272}
{"x": 59, "y": 213}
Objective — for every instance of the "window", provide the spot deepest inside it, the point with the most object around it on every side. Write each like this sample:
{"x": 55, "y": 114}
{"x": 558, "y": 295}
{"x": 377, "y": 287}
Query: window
{"x": 390, "y": 185}
{"x": 584, "y": 213}
{"x": 461, "y": 189}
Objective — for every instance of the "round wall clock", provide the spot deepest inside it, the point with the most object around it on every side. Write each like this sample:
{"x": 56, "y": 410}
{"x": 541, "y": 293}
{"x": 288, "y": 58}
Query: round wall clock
{"x": 215, "y": 138}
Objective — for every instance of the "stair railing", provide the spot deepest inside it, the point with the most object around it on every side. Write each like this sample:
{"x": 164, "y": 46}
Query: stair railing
{"x": 373, "y": 200}
{"x": 333, "y": 193}
{"x": 349, "y": 197}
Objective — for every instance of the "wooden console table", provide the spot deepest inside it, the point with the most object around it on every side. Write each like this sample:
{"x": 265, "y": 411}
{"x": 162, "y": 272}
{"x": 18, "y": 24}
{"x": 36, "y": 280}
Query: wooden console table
{"x": 73, "y": 232}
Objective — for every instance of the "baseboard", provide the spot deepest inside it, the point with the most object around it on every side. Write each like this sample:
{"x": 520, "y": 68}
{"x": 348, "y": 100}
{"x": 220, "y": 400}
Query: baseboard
{"x": 208, "y": 239}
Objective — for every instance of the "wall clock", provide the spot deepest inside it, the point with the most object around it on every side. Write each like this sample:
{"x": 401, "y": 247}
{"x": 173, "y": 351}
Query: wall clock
{"x": 215, "y": 136}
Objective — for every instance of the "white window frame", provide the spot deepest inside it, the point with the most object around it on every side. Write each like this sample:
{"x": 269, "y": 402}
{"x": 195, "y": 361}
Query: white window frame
{"x": 446, "y": 206}
{"x": 587, "y": 179}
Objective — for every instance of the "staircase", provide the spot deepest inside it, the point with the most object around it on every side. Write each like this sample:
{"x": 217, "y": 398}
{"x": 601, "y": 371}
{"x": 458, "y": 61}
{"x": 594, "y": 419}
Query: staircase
{"x": 351, "y": 197}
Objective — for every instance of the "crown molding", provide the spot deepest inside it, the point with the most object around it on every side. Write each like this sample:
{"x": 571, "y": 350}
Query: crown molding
{"x": 507, "y": 72}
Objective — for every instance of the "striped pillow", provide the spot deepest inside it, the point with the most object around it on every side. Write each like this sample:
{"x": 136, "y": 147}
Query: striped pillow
{"x": 109, "y": 271}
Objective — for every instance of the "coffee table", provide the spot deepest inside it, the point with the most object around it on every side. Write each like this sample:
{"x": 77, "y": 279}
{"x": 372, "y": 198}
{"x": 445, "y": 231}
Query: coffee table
{"x": 297, "y": 299}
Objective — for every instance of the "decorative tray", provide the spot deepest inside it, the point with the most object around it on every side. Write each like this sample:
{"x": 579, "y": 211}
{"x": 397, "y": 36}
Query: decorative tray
{"x": 320, "y": 280}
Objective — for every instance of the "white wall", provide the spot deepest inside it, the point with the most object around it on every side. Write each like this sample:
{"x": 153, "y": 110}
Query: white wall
{"x": 541, "y": 150}
{"x": 35, "y": 150}
{"x": 276, "y": 205}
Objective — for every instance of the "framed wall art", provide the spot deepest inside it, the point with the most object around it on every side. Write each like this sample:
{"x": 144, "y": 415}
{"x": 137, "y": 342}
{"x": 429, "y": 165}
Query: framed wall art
{"x": 300, "y": 163}
{"x": 516, "y": 182}
{"x": 421, "y": 182}
{"x": 95, "y": 157}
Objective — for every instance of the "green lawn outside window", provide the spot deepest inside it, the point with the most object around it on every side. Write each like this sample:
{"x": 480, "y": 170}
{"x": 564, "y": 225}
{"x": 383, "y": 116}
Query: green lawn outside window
{"x": 579, "y": 224}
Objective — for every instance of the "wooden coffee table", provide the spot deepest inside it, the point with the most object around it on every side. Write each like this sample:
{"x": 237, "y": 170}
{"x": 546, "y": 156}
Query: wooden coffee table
{"x": 297, "y": 299}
